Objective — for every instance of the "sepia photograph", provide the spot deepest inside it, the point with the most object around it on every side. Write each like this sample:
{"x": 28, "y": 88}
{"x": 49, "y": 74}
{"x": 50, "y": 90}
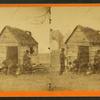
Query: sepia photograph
{"x": 49, "y": 48}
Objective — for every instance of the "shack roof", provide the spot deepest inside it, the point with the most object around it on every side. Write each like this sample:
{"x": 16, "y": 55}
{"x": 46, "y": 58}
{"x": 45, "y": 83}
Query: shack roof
{"x": 92, "y": 35}
{"x": 21, "y": 36}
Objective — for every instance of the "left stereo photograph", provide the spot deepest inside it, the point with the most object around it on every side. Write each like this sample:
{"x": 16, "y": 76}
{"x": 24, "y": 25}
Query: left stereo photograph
{"x": 24, "y": 48}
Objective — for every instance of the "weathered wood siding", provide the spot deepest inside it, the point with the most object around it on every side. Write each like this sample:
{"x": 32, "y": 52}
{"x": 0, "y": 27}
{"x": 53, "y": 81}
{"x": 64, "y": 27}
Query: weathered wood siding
{"x": 76, "y": 40}
{"x": 35, "y": 47}
{"x": 2, "y": 53}
{"x": 6, "y": 39}
{"x": 92, "y": 52}
{"x": 71, "y": 53}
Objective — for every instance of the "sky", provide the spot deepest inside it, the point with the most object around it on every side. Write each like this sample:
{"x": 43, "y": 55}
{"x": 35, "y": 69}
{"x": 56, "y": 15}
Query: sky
{"x": 29, "y": 19}
{"x": 64, "y": 19}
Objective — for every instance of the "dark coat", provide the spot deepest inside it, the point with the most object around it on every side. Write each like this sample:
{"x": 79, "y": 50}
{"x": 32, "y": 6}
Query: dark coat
{"x": 62, "y": 59}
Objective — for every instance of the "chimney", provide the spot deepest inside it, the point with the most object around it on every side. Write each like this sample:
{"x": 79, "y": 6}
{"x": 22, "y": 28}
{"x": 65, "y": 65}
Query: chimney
{"x": 29, "y": 33}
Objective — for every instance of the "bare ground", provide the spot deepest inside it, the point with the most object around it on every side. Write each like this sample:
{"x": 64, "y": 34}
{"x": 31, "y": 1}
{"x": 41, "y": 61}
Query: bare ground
{"x": 40, "y": 81}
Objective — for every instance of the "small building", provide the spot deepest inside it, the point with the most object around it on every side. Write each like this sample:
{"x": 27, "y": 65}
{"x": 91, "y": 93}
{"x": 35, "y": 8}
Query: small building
{"x": 14, "y": 42}
{"x": 83, "y": 43}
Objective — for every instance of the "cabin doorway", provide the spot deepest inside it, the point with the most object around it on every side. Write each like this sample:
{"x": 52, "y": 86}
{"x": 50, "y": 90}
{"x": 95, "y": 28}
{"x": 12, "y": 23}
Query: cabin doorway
{"x": 83, "y": 54}
{"x": 12, "y": 53}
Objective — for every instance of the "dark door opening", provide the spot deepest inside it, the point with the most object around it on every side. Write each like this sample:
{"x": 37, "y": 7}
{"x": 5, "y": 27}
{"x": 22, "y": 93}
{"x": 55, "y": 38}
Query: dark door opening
{"x": 83, "y": 54}
{"x": 12, "y": 53}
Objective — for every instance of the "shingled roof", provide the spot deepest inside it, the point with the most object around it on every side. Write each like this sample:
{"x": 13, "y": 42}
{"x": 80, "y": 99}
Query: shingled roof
{"x": 92, "y": 35}
{"x": 21, "y": 36}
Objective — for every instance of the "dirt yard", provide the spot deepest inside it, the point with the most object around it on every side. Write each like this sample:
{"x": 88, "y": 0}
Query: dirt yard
{"x": 69, "y": 81}
{"x": 40, "y": 81}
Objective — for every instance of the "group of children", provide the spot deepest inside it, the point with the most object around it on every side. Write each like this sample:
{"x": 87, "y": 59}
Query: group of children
{"x": 77, "y": 67}
{"x": 10, "y": 66}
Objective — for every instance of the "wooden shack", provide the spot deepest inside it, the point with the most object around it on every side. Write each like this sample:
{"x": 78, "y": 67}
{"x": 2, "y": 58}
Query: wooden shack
{"x": 83, "y": 43}
{"x": 14, "y": 42}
